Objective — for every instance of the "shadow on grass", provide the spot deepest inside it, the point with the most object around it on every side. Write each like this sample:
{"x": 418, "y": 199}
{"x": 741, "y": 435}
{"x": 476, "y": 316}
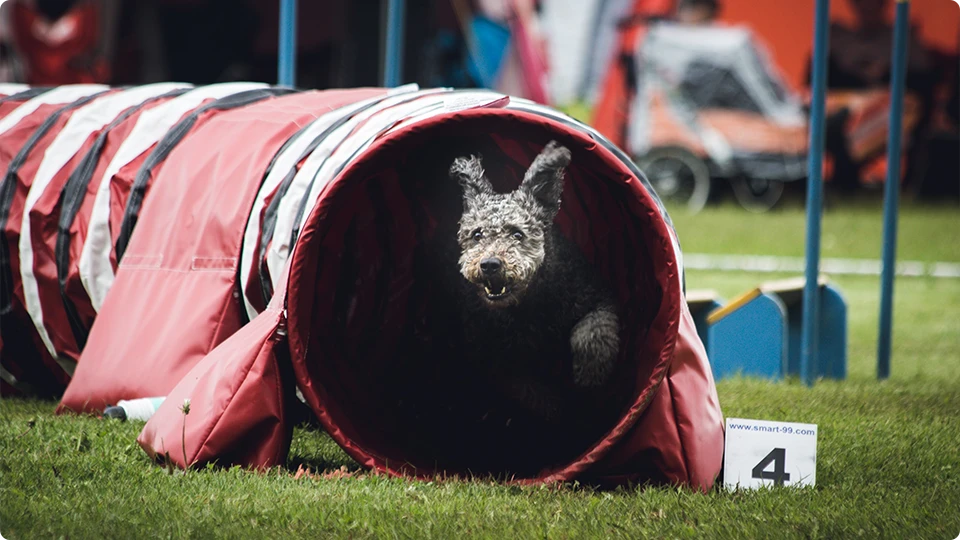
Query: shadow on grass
{"x": 312, "y": 448}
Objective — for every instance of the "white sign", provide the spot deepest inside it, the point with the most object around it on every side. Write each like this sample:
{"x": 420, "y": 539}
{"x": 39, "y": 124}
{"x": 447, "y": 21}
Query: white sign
{"x": 762, "y": 453}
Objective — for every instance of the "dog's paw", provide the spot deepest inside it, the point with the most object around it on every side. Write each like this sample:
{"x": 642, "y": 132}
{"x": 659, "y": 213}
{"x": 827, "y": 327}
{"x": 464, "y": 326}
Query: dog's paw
{"x": 595, "y": 343}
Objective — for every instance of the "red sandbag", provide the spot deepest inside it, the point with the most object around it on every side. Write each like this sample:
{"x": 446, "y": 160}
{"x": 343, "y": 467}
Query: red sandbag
{"x": 238, "y": 403}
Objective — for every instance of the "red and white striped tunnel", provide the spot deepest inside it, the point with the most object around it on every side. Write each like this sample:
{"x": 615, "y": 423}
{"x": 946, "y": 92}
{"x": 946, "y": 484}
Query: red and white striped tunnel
{"x": 53, "y": 145}
{"x": 270, "y": 239}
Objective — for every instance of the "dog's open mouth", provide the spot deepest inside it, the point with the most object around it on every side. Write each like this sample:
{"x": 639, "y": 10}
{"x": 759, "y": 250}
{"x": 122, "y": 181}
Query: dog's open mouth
{"x": 496, "y": 288}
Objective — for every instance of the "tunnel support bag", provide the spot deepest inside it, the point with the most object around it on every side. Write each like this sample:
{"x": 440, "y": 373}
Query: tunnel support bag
{"x": 233, "y": 406}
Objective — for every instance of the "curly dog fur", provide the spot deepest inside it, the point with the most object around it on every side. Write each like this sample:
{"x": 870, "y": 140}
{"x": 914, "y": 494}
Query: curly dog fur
{"x": 533, "y": 311}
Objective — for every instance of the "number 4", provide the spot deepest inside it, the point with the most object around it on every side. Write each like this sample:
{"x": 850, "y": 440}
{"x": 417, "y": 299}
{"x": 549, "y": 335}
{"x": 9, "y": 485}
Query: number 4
{"x": 779, "y": 475}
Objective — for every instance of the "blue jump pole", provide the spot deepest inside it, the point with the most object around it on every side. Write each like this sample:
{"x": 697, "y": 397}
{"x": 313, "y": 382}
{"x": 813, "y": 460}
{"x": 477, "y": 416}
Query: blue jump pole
{"x": 811, "y": 291}
{"x": 393, "y": 60}
{"x": 287, "y": 48}
{"x": 901, "y": 30}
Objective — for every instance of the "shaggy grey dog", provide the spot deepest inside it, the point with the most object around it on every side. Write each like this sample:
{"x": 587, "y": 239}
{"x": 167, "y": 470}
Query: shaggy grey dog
{"x": 535, "y": 314}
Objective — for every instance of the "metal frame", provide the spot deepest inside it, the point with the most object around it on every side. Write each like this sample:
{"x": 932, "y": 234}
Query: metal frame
{"x": 891, "y": 197}
{"x": 393, "y": 46}
{"x": 287, "y": 48}
{"x": 811, "y": 296}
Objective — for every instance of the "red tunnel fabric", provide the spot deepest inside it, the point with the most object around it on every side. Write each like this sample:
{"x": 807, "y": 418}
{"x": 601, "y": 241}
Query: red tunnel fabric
{"x": 23, "y": 365}
{"x": 286, "y": 173}
{"x": 94, "y": 229}
{"x": 67, "y": 305}
{"x": 315, "y": 216}
{"x": 12, "y": 97}
{"x": 28, "y": 131}
{"x": 170, "y": 141}
{"x": 15, "y": 129}
{"x": 42, "y": 209}
{"x": 287, "y": 205}
{"x": 99, "y": 184}
{"x": 185, "y": 251}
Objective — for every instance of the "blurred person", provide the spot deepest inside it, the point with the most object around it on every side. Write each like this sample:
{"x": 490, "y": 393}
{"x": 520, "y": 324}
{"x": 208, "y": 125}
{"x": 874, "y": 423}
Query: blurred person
{"x": 859, "y": 62}
{"x": 697, "y": 12}
{"x": 859, "y": 56}
{"x": 60, "y": 41}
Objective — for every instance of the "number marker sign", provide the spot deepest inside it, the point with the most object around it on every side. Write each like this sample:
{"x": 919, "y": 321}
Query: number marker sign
{"x": 761, "y": 453}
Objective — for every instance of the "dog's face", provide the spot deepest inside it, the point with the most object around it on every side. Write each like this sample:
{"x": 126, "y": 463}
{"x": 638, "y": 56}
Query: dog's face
{"x": 502, "y": 235}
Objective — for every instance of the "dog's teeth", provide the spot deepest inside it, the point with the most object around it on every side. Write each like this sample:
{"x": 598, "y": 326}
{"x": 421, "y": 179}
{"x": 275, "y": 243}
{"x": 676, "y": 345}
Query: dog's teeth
{"x": 487, "y": 289}
{"x": 503, "y": 290}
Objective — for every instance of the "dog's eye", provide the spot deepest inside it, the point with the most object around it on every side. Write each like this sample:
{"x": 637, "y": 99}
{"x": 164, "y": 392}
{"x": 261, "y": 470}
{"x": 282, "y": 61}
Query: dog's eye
{"x": 477, "y": 235}
{"x": 517, "y": 235}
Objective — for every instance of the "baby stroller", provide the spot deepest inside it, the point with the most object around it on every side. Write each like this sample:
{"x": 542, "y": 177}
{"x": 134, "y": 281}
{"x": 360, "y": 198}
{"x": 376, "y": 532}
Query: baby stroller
{"x": 707, "y": 107}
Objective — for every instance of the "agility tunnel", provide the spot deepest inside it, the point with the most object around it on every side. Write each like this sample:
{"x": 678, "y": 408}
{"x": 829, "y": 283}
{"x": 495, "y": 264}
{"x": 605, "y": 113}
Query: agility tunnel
{"x": 239, "y": 245}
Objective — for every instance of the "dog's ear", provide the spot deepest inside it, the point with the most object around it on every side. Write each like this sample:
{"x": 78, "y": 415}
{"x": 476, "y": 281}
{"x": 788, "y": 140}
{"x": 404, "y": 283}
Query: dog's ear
{"x": 544, "y": 178}
{"x": 468, "y": 172}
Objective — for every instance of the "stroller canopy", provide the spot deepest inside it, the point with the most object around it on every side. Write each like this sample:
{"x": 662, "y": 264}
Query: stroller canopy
{"x": 713, "y": 90}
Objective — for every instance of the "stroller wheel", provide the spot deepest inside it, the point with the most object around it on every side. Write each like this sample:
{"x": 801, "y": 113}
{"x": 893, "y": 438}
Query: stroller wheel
{"x": 678, "y": 176}
{"x": 755, "y": 194}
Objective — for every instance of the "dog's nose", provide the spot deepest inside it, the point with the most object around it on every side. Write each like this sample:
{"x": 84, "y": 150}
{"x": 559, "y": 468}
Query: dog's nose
{"x": 490, "y": 265}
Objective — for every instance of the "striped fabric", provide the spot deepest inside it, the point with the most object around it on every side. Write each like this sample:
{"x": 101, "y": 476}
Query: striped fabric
{"x": 116, "y": 174}
{"x": 27, "y": 132}
{"x": 42, "y": 205}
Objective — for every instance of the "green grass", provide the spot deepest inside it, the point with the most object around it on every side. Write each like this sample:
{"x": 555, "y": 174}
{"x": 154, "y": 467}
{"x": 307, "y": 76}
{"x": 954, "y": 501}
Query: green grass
{"x": 925, "y": 233}
{"x": 888, "y": 457}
